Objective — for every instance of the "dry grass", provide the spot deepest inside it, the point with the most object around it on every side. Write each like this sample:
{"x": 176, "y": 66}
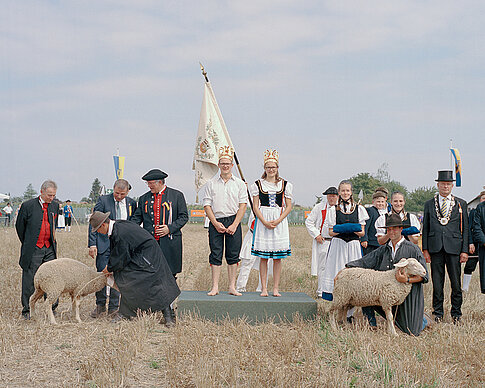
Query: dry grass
{"x": 141, "y": 353}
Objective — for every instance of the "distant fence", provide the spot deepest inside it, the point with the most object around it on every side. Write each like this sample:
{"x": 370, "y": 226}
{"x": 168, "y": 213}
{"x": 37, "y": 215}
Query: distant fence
{"x": 296, "y": 217}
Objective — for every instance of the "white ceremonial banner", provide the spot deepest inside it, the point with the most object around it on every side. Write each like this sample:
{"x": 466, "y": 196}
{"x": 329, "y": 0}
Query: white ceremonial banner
{"x": 211, "y": 135}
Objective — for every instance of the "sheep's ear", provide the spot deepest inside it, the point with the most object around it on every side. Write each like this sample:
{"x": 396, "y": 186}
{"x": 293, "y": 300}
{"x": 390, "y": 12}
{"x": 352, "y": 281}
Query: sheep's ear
{"x": 402, "y": 263}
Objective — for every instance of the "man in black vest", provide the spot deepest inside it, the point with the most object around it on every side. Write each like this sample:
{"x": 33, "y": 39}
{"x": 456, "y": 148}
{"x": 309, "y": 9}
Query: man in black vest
{"x": 35, "y": 225}
{"x": 445, "y": 243}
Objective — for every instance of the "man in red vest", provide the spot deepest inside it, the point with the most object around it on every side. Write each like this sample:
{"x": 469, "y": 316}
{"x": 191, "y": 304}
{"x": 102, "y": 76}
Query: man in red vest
{"x": 35, "y": 225}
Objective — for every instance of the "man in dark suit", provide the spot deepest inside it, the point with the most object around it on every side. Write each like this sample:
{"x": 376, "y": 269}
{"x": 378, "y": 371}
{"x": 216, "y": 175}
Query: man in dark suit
{"x": 479, "y": 237}
{"x": 163, "y": 212}
{"x": 445, "y": 243}
{"x": 35, "y": 225}
{"x": 120, "y": 207}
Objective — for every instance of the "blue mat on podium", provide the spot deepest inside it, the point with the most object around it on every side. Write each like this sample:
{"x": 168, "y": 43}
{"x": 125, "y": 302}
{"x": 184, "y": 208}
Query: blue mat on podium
{"x": 251, "y": 306}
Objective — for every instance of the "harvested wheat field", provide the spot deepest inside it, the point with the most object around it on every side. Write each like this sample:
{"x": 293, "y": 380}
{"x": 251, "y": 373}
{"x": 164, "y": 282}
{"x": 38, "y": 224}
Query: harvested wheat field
{"x": 196, "y": 353}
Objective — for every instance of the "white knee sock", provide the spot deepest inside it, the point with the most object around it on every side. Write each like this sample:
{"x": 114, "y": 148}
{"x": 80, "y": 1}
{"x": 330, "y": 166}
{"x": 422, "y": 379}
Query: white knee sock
{"x": 466, "y": 282}
{"x": 350, "y": 312}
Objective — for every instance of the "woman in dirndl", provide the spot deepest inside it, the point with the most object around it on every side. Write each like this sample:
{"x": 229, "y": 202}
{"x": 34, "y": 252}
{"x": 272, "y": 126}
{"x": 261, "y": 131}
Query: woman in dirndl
{"x": 272, "y": 197}
{"x": 345, "y": 246}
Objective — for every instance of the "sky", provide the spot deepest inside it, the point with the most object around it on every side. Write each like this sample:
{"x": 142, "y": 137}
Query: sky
{"x": 337, "y": 87}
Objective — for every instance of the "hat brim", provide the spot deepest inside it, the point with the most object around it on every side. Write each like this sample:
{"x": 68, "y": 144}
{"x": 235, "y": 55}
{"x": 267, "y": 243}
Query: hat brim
{"x": 394, "y": 226}
{"x": 445, "y": 180}
{"x": 102, "y": 222}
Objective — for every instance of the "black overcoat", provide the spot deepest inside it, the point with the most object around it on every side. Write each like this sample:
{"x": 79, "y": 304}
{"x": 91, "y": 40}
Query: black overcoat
{"x": 409, "y": 314}
{"x": 29, "y": 221}
{"x": 171, "y": 244}
{"x": 140, "y": 270}
{"x": 453, "y": 237}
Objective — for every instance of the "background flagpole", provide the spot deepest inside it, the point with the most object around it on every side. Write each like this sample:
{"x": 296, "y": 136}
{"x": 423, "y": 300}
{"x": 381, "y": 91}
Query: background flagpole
{"x": 451, "y": 155}
{"x": 204, "y": 73}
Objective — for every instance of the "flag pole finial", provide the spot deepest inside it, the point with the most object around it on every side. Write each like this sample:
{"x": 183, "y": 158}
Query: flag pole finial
{"x": 204, "y": 73}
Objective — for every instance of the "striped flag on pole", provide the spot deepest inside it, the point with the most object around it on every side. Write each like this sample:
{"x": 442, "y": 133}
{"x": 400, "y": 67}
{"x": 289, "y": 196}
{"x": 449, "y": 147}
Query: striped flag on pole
{"x": 457, "y": 157}
{"x": 119, "y": 166}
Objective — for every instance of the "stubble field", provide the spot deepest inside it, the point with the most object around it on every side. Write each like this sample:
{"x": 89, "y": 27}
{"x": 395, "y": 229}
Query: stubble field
{"x": 197, "y": 353}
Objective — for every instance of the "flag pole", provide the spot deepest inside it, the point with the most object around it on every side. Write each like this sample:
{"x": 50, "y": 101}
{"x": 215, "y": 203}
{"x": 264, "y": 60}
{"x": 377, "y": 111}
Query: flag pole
{"x": 451, "y": 155}
{"x": 204, "y": 73}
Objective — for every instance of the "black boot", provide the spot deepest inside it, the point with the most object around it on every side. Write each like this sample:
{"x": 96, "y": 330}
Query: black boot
{"x": 173, "y": 315}
{"x": 167, "y": 315}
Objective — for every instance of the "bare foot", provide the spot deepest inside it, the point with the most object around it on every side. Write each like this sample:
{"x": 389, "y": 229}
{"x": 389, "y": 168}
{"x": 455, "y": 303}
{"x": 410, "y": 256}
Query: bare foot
{"x": 234, "y": 292}
{"x": 213, "y": 292}
{"x": 276, "y": 293}
{"x": 264, "y": 293}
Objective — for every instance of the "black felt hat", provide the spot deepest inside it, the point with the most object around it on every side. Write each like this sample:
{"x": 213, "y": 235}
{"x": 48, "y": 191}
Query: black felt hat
{"x": 394, "y": 220}
{"x": 445, "y": 176}
{"x": 154, "y": 175}
{"x": 331, "y": 190}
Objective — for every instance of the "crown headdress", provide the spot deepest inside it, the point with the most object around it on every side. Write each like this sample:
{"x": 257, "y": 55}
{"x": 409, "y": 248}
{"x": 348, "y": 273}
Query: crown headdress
{"x": 226, "y": 152}
{"x": 271, "y": 156}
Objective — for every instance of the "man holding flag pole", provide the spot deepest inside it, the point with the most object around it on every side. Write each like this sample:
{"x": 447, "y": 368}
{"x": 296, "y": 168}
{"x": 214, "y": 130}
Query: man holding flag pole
{"x": 225, "y": 196}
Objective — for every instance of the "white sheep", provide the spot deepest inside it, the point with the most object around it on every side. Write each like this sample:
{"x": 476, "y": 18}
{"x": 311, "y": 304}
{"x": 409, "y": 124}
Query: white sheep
{"x": 366, "y": 287}
{"x": 65, "y": 276}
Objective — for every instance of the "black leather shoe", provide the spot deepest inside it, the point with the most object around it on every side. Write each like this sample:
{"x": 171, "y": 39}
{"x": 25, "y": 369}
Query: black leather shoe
{"x": 438, "y": 319}
{"x": 456, "y": 320}
{"x": 350, "y": 319}
{"x": 173, "y": 315}
{"x": 26, "y": 316}
{"x": 117, "y": 317}
{"x": 167, "y": 315}
{"x": 112, "y": 313}
{"x": 98, "y": 311}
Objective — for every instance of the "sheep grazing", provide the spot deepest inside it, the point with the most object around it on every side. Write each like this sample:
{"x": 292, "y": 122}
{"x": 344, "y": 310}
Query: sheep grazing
{"x": 366, "y": 287}
{"x": 65, "y": 276}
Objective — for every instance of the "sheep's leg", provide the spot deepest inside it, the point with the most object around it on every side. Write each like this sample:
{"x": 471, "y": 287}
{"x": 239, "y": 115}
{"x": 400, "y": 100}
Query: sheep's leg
{"x": 75, "y": 308}
{"x": 48, "y": 303}
{"x": 333, "y": 312}
{"x": 390, "y": 320}
{"x": 33, "y": 299}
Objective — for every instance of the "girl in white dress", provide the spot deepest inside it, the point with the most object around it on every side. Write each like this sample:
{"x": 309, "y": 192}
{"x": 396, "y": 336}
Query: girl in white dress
{"x": 272, "y": 197}
{"x": 345, "y": 246}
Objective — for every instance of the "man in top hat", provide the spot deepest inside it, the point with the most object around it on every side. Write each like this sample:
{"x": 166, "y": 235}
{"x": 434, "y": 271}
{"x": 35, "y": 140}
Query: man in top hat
{"x": 409, "y": 315}
{"x": 318, "y": 230}
{"x": 35, "y": 225}
{"x": 224, "y": 201}
{"x": 163, "y": 212}
{"x": 120, "y": 207}
{"x": 479, "y": 237}
{"x": 445, "y": 243}
{"x": 139, "y": 268}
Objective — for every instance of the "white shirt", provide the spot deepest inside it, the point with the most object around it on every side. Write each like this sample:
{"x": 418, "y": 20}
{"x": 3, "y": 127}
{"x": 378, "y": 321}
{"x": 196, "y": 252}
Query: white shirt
{"x": 224, "y": 197}
{"x": 393, "y": 251}
{"x": 381, "y": 222}
{"x": 440, "y": 199}
{"x": 8, "y": 209}
{"x": 110, "y": 228}
{"x": 313, "y": 222}
{"x": 124, "y": 215}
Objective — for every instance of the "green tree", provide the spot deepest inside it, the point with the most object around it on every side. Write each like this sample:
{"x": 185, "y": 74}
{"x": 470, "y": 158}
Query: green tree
{"x": 365, "y": 182}
{"x": 418, "y": 197}
{"x": 95, "y": 190}
{"x": 29, "y": 192}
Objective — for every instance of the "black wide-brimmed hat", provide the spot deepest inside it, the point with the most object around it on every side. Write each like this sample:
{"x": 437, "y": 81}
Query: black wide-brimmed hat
{"x": 445, "y": 176}
{"x": 97, "y": 219}
{"x": 331, "y": 190}
{"x": 394, "y": 220}
{"x": 154, "y": 175}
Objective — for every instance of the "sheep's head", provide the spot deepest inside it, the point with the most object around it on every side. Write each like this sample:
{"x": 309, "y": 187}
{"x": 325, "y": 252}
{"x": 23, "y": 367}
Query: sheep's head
{"x": 411, "y": 266}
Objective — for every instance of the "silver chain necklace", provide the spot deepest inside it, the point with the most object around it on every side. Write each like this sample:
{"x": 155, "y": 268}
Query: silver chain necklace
{"x": 443, "y": 220}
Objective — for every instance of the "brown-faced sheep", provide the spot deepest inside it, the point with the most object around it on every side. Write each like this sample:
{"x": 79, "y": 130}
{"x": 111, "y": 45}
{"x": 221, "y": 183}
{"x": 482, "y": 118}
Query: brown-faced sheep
{"x": 362, "y": 287}
{"x": 65, "y": 276}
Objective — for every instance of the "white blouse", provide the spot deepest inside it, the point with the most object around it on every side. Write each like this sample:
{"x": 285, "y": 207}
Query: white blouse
{"x": 332, "y": 215}
{"x": 272, "y": 188}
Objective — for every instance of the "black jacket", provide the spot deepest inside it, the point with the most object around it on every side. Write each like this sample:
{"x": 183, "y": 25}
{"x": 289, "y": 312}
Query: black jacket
{"x": 453, "y": 237}
{"x": 479, "y": 225}
{"x": 29, "y": 221}
{"x": 171, "y": 244}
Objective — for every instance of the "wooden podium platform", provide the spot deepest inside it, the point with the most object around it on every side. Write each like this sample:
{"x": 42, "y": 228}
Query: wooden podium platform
{"x": 250, "y": 305}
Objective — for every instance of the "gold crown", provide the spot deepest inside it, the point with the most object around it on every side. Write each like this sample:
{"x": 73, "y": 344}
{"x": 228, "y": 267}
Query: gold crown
{"x": 271, "y": 156}
{"x": 226, "y": 152}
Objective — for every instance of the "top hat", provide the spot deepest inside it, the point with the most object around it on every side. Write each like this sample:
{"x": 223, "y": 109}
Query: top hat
{"x": 97, "y": 219}
{"x": 331, "y": 190}
{"x": 154, "y": 175}
{"x": 394, "y": 220}
{"x": 445, "y": 176}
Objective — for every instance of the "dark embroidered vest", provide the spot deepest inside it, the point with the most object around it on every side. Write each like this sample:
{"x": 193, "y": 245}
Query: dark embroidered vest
{"x": 342, "y": 218}
{"x": 264, "y": 196}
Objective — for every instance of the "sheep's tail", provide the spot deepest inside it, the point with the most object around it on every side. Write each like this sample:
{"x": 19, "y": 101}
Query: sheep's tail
{"x": 82, "y": 288}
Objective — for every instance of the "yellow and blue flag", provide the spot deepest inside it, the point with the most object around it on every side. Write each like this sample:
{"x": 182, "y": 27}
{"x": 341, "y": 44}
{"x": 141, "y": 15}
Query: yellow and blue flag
{"x": 456, "y": 155}
{"x": 119, "y": 166}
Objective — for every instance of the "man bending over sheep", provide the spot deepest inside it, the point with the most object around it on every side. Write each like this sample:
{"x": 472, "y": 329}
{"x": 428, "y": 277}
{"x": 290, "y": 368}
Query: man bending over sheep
{"x": 139, "y": 267}
{"x": 410, "y": 314}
